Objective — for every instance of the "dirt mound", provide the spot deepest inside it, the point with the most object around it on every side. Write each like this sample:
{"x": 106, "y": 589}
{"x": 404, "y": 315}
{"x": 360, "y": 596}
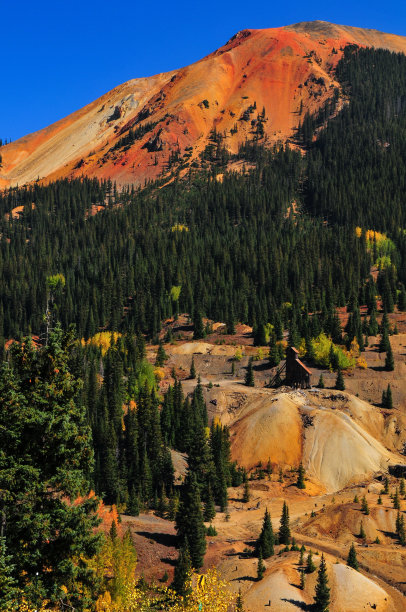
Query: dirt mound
{"x": 342, "y": 522}
{"x": 329, "y": 432}
{"x": 269, "y": 428}
{"x": 351, "y": 591}
{"x": 337, "y": 451}
{"x": 190, "y": 348}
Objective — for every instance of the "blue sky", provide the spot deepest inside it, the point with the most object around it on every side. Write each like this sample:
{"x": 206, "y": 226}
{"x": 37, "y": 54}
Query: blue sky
{"x": 58, "y": 56}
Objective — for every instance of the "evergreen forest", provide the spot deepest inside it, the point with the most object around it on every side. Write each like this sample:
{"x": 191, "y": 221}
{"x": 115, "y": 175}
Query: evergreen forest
{"x": 284, "y": 243}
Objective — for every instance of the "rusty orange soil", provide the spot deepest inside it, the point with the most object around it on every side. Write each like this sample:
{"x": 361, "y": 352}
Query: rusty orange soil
{"x": 285, "y": 71}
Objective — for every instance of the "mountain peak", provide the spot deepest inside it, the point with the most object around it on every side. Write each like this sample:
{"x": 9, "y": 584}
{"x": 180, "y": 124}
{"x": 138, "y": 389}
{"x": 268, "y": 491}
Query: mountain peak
{"x": 134, "y": 132}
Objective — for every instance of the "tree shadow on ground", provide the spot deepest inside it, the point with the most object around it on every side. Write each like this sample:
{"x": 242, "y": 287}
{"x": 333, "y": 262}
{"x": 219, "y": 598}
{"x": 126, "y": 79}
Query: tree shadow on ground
{"x": 166, "y": 539}
{"x": 169, "y": 561}
{"x": 299, "y": 604}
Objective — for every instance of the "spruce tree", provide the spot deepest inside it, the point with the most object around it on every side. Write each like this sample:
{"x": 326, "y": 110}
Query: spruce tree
{"x": 189, "y": 521}
{"x": 284, "y": 528}
{"x": 133, "y": 506}
{"x": 273, "y": 357}
{"x": 302, "y": 580}
{"x": 198, "y": 329}
{"x": 260, "y": 567}
{"x": 322, "y": 592}
{"x": 340, "y": 384}
{"x": 402, "y": 298}
{"x": 362, "y": 535}
{"x": 364, "y": 505}
{"x": 384, "y": 342}
{"x": 45, "y": 445}
{"x": 321, "y": 384}
{"x": 249, "y": 376}
{"x": 387, "y": 401}
{"x": 396, "y": 500}
{"x": 161, "y": 355}
{"x": 352, "y": 557}
{"x": 192, "y": 374}
{"x": 389, "y": 361}
{"x": 301, "y": 477}
{"x": 209, "y": 507}
{"x": 183, "y": 569}
{"x": 266, "y": 540}
{"x": 401, "y": 530}
{"x": 402, "y": 488}
{"x": 9, "y": 593}
{"x": 246, "y": 494}
{"x": 239, "y": 604}
{"x": 310, "y": 567}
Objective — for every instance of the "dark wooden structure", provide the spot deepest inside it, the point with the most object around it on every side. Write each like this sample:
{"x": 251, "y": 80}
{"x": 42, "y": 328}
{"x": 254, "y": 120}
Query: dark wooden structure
{"x": 297, "y": 374}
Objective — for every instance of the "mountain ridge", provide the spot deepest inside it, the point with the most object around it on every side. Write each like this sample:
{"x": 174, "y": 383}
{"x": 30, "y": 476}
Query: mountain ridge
{"x": 285, "y": 71}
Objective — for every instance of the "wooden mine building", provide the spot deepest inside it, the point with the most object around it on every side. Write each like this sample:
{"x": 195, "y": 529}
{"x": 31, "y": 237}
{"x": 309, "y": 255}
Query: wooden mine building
{"x": 297, "y": 374}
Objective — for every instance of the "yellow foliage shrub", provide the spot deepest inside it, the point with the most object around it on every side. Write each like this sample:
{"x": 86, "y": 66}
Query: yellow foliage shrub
{"x": 180, "y": 228}
{"x": 102, "y": 340}
{"x": 159, "y": 373}
{"x": 209, "y": 593}
{"x": 361, "y": 363}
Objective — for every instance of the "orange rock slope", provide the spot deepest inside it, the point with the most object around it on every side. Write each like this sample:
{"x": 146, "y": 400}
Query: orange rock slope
{"x": 284, "y": 71}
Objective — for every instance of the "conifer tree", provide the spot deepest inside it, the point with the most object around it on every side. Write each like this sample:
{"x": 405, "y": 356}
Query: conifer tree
{"x": 384, "y": 343}
{"x": 246, "y": 495}
{"x": 133, "y": 506}
{"x": 192, "y": 369}
{"x": 402, "y": 488}
{"x": 400, "y": 529}
{"x": 209, "y": 507}
{"x": 284, "y": 528}
{"x": 189, "y": 521}
{"x": 352, "y": 557}
{"x": 260, "y": 566}
{"x": 266, "y": 540}
{"x": 239, "y": 604}
{"x": 389, "y": 361}
{"x": 8, "y": 588}
{"x": 273, "y": 357}
{"x": 373, "y": 327}
{"x": 249, "y": 376}
{"x": 402, "y": 298}
{"x": 182, "y": 572}
{"x": 396, "y": 500}
{"x": 198, "y": 329}
{"x": 364, "y": 505}
{"x": 310, "y": 567}
{"x": 362, "y": 534}
{"x": 45, "y": 446}
{"x": 302, "y": 579}
{"x": 386, "y": 485}
{"x": 161, "y": 355}
{"x": 301, "y": 477}
{"x": 259, "y": 335}
{"x": 321, "y": 384}
{"x": 340, "y": 384}
{"x": 322, "y": 592}
{"x": 387, "y": 401}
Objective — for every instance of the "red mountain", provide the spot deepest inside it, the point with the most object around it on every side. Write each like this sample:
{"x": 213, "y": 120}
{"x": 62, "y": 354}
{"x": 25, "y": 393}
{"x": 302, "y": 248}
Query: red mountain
{"x": 284, "y": 71}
